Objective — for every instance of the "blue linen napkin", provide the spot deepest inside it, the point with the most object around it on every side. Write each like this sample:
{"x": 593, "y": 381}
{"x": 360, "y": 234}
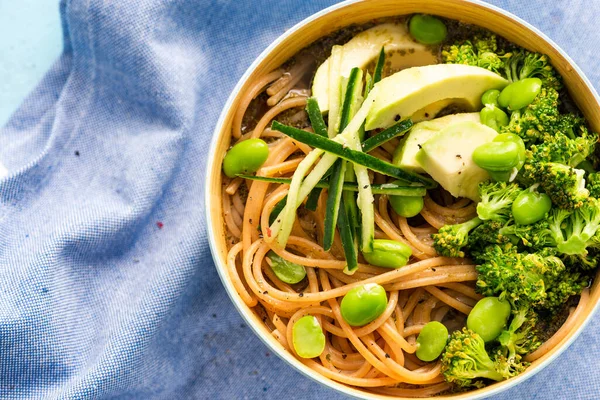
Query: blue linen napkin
{"x": 107, "y": 286}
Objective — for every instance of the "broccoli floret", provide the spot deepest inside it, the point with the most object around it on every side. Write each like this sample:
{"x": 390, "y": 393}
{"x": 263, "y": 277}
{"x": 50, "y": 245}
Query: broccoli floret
{"x": 486, "y": 234}
{"x": 538, "y": 279}
{"x": 496, "y": 200}
{"x": 565, "y": 185}
{"x": 593, "y": 184}
{"x": 521, "y": 336}
{"x": 450, "y": 239}
{"x": 523, "y": 64}
{"x": 538, "y": 118}
{"x": 535, "y": 235}
{"x": 481, "y": 51}
{"x": 561, "y": 149}
{"x": 503, "y": 273}
{"x": 465, "y": 360}
{"x": 574, "y": 231}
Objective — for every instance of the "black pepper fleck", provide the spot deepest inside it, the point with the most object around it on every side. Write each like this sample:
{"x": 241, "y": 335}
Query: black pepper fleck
{"x": 458, "y": 156}
{"x": 387, "y": 355}
{"x": 300, "y": 294}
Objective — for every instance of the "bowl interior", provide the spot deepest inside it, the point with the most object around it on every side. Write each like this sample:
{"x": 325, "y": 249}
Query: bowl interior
{"x": 361, "y": 11}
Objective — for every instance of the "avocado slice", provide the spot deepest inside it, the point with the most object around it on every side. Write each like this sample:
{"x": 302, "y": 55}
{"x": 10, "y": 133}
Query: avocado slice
{"x": 400, "y": 48}
{"x": 406, "y": 92}
{"x": 447, "y": 157}
{"x": 406, "y": 152}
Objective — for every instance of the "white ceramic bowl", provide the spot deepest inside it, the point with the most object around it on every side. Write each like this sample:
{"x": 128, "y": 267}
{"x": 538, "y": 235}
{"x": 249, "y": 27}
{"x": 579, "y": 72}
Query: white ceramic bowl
{"x": 360, "y": 11}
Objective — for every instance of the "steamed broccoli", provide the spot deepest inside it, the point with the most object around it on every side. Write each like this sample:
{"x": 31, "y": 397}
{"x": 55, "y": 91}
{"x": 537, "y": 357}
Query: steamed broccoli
{"x": 496, "y": 200}
{"x": 565, "y": 185}
{"x": 481, "y": 51}
{"x": 450, "y": 239}
{"x": 593, "y": 184}
{"x": 465, "y": 360}
{"x": 521, "y": 336}
{"x": 521, "y": 64}
{"x": 537, "y": 279}
{"x": 538, "y": 118}
{"x": 561, "y": 149}
{"x": 574, "y": 231}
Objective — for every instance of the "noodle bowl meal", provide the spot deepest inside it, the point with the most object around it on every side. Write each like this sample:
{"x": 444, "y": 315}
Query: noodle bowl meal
{"x": 411, "y": 206}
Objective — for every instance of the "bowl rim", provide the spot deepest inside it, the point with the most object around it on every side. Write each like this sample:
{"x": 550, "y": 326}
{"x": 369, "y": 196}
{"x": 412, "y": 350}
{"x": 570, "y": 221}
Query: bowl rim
{"x": 236, "y": 299}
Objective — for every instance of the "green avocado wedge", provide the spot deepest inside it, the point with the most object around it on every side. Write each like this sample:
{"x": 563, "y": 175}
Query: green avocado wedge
{"x": 448, "y": 158}
{"x": 406, "y": 152}
{"x": 405, "y": 93}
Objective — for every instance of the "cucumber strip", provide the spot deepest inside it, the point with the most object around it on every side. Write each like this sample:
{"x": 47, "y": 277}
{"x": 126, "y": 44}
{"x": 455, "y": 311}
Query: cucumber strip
{"x": 335, "y": 90}
{"x": 333, "y": 202}
{"x": 379, "y": 67}
{"x": 357, "y": 157}
{"x": 386, "y": 188}
{"x": 377, "y": 140}
{"x": 351, "y": 97}
{"x": 313, "y": 199}
{"x": 299, "y": 193}
{"x": 348, "y": 243}
{"x": 277, "y": 209}
{"x": 283, "y": 225}
{"x": 316, "y": 118}
{"x": 365, "y": 204}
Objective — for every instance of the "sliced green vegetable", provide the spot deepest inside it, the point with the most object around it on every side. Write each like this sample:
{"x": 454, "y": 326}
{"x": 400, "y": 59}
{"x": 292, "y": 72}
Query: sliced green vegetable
{"x": 315, "y": 116}
{"x": 377, "y": 140}
{"x": 285, "y": 270}
{"x": 336, "y": 182}
{"x": 385, "y": 188}
{"x": 312, "y": 201}
{"x": 379, "y": 67}
{"x": 308, "y": 337}
{"x": 357, "y": 157}
{"x": 278, "y": 207}
{"x": 346, "y": 234}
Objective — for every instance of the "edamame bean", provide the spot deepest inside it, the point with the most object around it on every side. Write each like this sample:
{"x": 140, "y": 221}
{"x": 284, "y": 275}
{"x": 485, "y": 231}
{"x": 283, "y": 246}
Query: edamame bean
{"x": 493, "y": 117}
{"x": 488, "y": 318}
{"x": 490, "y": 97}
{"x": 285, "y": 270}
{"x": 497, "y": 156}
{"x": 406, "y": 206}
{"x": 245, "y": 157}
{"x": 388, "y": 254}
{"x": 308, "y": 337}
{"x": 511, "y": 137}
{"x": 520, "y": 94}
{"x": 530, "y": 207}
{"x": 363, "y": 304}
{"x": 427, "y": 29}
{"x": 431, "y": 341}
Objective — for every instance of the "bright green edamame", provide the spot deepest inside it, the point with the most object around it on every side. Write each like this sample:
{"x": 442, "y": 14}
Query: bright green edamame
{"x": 308, "y": 337}
{"x": 493, "y": 117}
{"x": 245, "y": 157}
{"x": 503, "y": 157}
{"x": 488, "y": 318}
{"x": 427, "y": 29}
{"x": 363, "y": 304}
{"x": 490, "y": 97}
{"x": 431, "y": 341}
{"x": 286, "y": 271}
{"x": 530, "y": 207}
{"x": 406, "y": 206}
{"x": 520, "y": 94}
{"x": 388, "y": 254}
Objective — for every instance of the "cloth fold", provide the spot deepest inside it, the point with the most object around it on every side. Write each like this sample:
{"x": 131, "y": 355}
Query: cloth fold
{"x": 107, "y": 285}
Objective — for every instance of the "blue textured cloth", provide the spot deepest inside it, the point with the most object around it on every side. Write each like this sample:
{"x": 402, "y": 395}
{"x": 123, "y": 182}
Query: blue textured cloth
{"x": 107, "y": 286}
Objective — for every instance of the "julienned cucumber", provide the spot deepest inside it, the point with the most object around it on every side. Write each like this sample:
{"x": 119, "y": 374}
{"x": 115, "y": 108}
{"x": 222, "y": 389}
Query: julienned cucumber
{"x": 312, "y": 201}
{"x": 334, "y": 197}
{"x": 357, "y": 157}
{"x": 315, "y": 116}
{"x": 347, "y": 236}
{"x": 379, "y": 67}
{"x": 351, "y": 98}
{"x": 377, "y": 140}
{"x": 386, "y": 188}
